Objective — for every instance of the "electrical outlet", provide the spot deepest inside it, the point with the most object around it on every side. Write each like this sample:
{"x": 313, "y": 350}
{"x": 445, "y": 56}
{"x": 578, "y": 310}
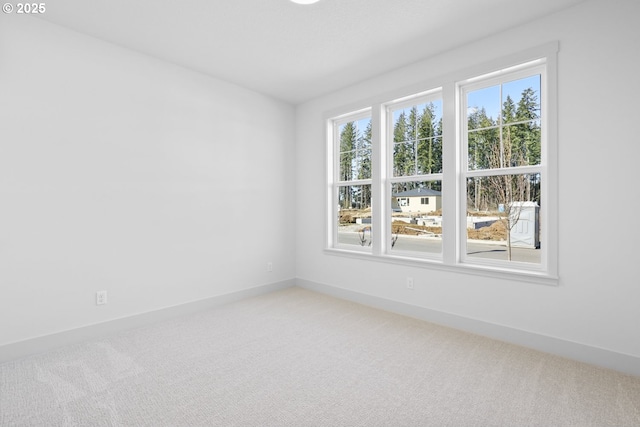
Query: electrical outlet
{"x": 269, "y": 266}
{"x": 410, "y": 283}
{"x": 101, "y": 297}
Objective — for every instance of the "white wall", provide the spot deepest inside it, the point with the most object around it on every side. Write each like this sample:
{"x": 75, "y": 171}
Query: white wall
{"x": 124, "y": 173}
{"x": 596, "y": 302}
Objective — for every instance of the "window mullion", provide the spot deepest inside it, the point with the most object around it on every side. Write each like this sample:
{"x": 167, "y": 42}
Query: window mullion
{"x": 332, "y": 189}
{"x": 378, "y": 175}
{"x": 450, "y": 180}
{"x": 515, "y": 170}
{"x": 354, "y": 182}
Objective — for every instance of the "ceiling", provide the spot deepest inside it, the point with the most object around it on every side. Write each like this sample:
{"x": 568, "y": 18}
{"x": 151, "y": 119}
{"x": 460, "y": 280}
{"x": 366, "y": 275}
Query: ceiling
{"x": 289, "y": 51}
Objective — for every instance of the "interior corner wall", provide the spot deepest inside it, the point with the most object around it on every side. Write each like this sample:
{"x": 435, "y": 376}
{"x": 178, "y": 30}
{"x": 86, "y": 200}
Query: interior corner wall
{"x": 596, "y": 302}
{"x": 124, "y": 173}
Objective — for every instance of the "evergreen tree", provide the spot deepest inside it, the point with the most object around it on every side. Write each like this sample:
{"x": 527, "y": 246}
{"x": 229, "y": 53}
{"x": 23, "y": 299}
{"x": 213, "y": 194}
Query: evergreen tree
{"x": 410, "y": 164}
{"x": 528, "y": 112}
{"x": 508, "y": 114}
{"x": 425, "y": 143}
{"x": 508, "y": 154}
{"x": 529, "y": 134}
{"x": 483, "y": 139}
{"x": 348, "y": 141}
{"x": 437, "y": 153}
{"x": 364, "y": 154}
{"x": 437, "y": 147}
{"x": 401, "y": 151}
{"x": 364, "y": 165}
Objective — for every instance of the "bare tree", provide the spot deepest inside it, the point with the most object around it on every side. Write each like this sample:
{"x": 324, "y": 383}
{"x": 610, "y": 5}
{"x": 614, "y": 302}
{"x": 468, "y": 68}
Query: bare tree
{"x": 507, "y": 191}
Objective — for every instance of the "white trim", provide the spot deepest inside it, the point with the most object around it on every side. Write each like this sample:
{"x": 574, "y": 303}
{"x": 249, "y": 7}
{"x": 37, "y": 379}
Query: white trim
{"x": 496, "y": 77}
{"x": 495, "y": 272}
{"x": 351, "y": 116}
{"x": 550, "y": 185}
{"x": 352, "y": 183}
{"x": 95, "y": 331}
{"x": 413, "y": 178}
{"x": 425, "y": 97}
{"x": 516, "y": 170}
{"x": 609, "y": 359}
{"x": 378, "y": 174}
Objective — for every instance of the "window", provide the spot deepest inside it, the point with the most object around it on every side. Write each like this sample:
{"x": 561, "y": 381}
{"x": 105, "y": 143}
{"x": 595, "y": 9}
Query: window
{"x": 414, "y": 150}
{"x": 458, "y": 177}
{"x": 502, "y": 172}
{"x": 351, "y": 189}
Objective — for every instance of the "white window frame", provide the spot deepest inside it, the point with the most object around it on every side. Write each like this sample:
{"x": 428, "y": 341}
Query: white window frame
{"x": 334, "y": 182}
{"x": 454, "y": 174}
{"x": 388, "y": 179}
{"x": 480, "y": 82}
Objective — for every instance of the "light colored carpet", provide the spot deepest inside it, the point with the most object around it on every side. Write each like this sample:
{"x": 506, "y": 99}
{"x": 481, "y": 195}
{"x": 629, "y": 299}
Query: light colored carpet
{"x": 298, "y": 358}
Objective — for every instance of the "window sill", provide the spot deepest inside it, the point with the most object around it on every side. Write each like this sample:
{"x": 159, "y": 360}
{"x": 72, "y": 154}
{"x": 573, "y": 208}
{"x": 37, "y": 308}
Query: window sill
{"x": 536, "y": 277}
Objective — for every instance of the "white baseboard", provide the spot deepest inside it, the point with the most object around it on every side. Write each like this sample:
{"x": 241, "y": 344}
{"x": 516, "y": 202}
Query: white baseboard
{"x": 584, "y": 353}
{"x": 44, "y": 343}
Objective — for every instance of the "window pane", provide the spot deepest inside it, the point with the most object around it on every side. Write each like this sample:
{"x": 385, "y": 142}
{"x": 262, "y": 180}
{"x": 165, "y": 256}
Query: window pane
{"x": 484, "y": 148}
{"x": 503, "y": 125}
{"x": 354, "y": 215}
{"x": 522, "y": 143}
{"x": 503, "y": 220}
{"x": 404, "y": 159}
{"x": 400, "y": 125}
{"x": 363, "y": 163}
{"x": 355, "y": 150}
{"x": 520, "y": 99}
{"x": 417, "y": 147}
{"x": 483, "y": 107}
{"x": 346, "y": 166}
{"x": 429, "y": 152}
{"x": 416, "y": 216}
